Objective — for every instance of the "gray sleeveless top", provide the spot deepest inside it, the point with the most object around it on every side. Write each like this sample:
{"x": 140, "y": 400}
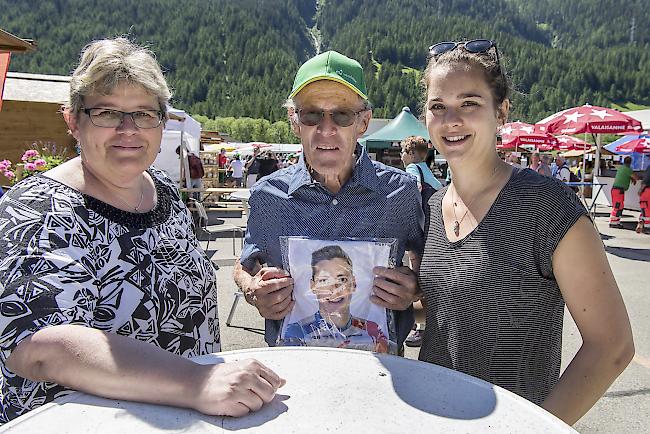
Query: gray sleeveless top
{"x": 494, "y": 308}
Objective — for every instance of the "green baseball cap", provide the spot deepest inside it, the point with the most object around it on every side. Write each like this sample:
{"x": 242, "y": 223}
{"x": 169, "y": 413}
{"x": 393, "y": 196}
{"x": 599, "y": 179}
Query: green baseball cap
{"x": 331, "y": 66}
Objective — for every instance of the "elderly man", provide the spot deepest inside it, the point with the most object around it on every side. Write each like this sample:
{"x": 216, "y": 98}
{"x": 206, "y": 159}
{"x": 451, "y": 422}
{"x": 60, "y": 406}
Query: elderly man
{"x": 334, "y": 191}
{"x": 562, "y": 171}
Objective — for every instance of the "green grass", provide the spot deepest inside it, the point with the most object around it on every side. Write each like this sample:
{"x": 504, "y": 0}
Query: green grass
{"x": 412, "y": 71}
{"x": 629, "y": 106}
{"x": 377, "y": 66}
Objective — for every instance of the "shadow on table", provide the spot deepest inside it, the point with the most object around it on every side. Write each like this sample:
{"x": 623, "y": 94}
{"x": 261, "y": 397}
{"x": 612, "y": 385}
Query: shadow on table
{"x": 175, "y": 419}
{"x": 440, "y": 391}
{"x": 629, "y": 253}
{"x": 267, "y": 413}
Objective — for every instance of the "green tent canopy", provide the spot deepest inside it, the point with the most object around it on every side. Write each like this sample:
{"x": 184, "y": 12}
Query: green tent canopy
{"x": 401, "y": 127}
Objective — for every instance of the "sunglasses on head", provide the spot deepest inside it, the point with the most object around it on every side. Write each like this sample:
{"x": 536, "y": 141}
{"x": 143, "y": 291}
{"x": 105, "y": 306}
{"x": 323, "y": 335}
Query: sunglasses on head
{"x": 473, "y": 46}
{"x": 342, "y": 118}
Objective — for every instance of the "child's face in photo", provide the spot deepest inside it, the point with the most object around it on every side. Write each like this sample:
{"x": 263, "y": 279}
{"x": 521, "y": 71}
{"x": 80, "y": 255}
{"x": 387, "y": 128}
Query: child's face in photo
{"x": 333, "y": 284}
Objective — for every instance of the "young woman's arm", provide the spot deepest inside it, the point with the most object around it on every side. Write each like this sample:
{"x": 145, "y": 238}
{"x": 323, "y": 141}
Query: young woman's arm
{"x": 595, "y": 303}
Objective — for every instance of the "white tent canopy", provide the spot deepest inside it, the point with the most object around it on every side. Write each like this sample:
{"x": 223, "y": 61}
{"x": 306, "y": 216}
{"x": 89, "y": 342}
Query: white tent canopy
{"x": 181, "y": 128}
{"x": 167, "y": 159}
{"x": 187, "y": 125}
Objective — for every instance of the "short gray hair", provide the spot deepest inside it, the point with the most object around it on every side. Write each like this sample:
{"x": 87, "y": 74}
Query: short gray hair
{"x": 107, "y": 63}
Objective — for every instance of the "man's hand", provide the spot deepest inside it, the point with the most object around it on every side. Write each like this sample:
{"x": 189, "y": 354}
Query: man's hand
{"x": 270, "y": 292}
{"x": 395, "y": 288}
{"x": 234, "y": 389}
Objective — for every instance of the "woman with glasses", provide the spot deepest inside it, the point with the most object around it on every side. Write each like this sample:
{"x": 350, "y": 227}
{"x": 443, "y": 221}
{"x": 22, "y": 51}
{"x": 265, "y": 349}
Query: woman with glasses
{"x": 104, "y": 287}
{"x": 506, "y": 249}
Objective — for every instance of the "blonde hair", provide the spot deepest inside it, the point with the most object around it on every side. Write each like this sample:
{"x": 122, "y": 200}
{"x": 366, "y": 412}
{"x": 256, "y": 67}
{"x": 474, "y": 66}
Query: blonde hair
{"x": 107, "y": 63}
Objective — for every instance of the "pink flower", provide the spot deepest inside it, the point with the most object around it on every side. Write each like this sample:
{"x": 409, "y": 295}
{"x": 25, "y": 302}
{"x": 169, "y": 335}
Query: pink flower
{"x": 9, "y": 174}
{"x": 29, "y": 154}
{"x": 40, "y": 162}
{"x": 5, "y": 164}
{"x": 30, "y": 166}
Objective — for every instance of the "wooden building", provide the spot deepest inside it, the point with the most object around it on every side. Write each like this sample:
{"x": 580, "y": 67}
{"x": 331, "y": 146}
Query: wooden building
{"x": 14, "y": 44}
{"x": 31, "y": 112}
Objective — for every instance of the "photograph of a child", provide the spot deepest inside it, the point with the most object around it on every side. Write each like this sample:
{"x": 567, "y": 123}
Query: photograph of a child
{"x": 332, "y": 287}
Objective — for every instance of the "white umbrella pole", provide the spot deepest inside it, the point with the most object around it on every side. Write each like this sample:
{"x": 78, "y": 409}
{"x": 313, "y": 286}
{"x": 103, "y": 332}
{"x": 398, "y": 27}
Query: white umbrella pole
{"x": 184, "y": 161}
{"x": 584, "y": 161}
{"x": 597, "y": 158}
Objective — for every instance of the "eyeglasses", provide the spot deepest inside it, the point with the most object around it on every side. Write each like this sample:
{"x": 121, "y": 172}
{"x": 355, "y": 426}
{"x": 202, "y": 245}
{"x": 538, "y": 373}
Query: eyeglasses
{"x": 108, "y": 118}
{"x": 473, "y": 46}
{"x": 342, "y": 118}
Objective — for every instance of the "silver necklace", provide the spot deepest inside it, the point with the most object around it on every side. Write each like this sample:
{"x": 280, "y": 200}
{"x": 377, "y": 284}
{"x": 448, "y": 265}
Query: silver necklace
{"x": 458, "y": 222}
{"x": 137, "y": 207}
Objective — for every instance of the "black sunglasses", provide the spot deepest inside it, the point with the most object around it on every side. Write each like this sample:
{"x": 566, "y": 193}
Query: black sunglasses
{"x": 473, "y": 46}
{"x": 342, "y": 118}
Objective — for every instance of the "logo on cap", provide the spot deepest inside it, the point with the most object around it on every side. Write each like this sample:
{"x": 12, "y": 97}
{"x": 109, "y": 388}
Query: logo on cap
{"x": 347, "y": 76}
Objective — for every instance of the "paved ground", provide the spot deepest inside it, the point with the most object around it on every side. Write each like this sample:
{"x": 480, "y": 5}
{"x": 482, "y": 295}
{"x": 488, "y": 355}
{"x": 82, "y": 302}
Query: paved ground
{"x": 625, "y": 408}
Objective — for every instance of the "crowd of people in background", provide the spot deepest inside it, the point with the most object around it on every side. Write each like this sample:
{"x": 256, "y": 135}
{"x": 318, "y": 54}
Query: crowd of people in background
{"x": 238, "y": 171}
{"x": 245, "y": 173}
{"x": 417, "y": 157}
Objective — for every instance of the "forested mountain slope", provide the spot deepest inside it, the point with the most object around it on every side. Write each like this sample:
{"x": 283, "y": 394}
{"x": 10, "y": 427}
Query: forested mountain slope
{"x": 238, "y": 58}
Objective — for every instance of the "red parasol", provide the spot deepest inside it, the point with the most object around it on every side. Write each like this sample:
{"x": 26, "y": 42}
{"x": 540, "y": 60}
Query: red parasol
{"x": 589, "y": 119}
{"x": 570, "y": 143}
{"x": 517, "y": 134}
{"x": 641, "y": 146}
{"x": 546, "y": 148}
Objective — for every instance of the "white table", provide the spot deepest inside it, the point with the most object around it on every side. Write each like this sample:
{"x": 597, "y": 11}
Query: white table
{"x": 241, "y": 194}
{"x": 244, "y": 196}
{"x": 596, "y": 188}
{"x": 342, "y": 391}
{"x": 632, "y": 195}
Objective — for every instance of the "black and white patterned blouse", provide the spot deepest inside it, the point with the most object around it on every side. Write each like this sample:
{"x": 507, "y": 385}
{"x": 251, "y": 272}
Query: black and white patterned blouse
{"x": 67, "y": 258}
{"x": 494, "y": 308}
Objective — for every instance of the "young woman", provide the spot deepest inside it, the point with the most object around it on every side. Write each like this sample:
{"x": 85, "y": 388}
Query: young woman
{"x": 506, "y": 248}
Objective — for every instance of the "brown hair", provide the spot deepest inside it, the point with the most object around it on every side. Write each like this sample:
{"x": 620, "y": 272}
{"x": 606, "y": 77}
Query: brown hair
{"x": 328, "y": 253}
{"x": 493, "y": 71}
{"x": 414, "y": 144}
